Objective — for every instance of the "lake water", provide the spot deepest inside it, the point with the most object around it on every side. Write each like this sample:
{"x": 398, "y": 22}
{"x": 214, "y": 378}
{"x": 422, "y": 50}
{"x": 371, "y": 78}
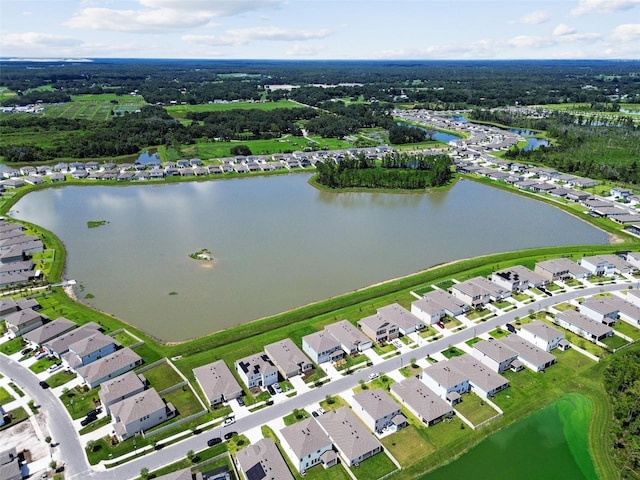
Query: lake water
{"x": 532, "y": 142}
{"x": 550, "y": 444}
{"x": 147, "y": 157}
{"x": 278, "y": 243}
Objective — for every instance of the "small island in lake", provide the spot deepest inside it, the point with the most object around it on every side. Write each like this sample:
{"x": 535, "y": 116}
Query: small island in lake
{"x": 203, "y": 254}
{"x": 96, "y": 223}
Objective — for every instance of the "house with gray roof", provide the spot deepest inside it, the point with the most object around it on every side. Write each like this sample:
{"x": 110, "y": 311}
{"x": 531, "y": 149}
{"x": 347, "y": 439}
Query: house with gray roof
{"x": 217, "y": 382}
{"x": 436, "y": 304}
{"x": 600, "y": 265}
{"x": 484, "y": 382}
{"x": 447, "y": 382}
{"x": 494, "y": 354}
{"x": 518, "y": 278}
{"x": 378, "y": 410}
{"x": 139, "y": 413}
{"x": 352, "y": 439}
{"x": 257, "y": 370}
{"x": 322, "y": 347}
{"x": 600, "y": 309}
{"x": 560, "y": 269}
{"x": 109, "y": 367}
{"x": 60, "y": 345}
{"x": 406, "y": 321}
{"x": 629, "y": 311}
{"x": 7, "y": 306}
{"x": 379, "y": 328}
{"x": 120, "y": 388}
{"x": 350, "y": 338}
{"x": 90, "y": 349}
{"x": 288, "y": 358}
{"x": 582, "y": 325}
{"x": 23, "y": 321}
{"x": 541, "y": 334}
{"x": 478, "y": 291}
{"x": 307, "y": 445}
{"x": 535, "y": 358}
{"x": 10, "y": 465}
{"x": 423, "y": 402}
{"x": 49, "y": 331}
{"x": 263, "y": 461}
{"x": 185, "y": 474}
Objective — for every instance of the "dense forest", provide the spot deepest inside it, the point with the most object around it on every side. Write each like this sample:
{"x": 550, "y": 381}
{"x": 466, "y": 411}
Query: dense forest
{"x": 622, "y": 383}
{"x": 397, "y": 171}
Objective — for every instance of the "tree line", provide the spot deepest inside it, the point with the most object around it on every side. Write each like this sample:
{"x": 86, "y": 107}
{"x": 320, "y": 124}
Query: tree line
{"x": 401, "y": 172}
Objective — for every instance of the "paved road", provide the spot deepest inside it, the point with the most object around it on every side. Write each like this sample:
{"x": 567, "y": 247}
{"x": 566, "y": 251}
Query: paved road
{"x": 77, "y": 467}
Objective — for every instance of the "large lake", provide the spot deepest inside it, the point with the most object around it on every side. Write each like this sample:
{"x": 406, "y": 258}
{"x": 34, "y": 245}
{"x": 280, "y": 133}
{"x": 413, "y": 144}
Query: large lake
{"x": 279, "y": 243}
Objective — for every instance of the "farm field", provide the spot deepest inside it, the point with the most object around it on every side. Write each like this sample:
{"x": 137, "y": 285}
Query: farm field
{"x": 179, "y": 112}
{"x": 94, "y": 107}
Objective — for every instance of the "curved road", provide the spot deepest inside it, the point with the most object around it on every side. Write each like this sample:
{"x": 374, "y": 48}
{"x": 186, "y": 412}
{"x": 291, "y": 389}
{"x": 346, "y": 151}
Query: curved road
{"x": 77, "y": 466}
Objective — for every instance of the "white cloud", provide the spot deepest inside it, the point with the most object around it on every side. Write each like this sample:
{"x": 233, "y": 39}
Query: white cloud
{"x": 603, "y": 6}
{"x": 626, "y": 33}
{"x": 529, "y": 41}
{"x": 475, "y": 50}
{"x": 162, "y": 15}
{"x": 563, "y": 29}
{"x": 31, "y": 40}
{"x": 533, "y": 18}
{"x": 243, "y": 36}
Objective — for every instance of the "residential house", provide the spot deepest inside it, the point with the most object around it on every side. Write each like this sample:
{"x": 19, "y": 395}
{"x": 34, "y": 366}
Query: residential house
{"x": 483, "y": 381}
{"x": 423, "y": 402}
{"x": 49, "y": 331}
{"x": 288, "y": 358}
{"x": 541, "y": 335}
{"x": 307, "y": 445}
{"x": 257, "y": 370}
{"x": 23, "y": 321}
{"x": 185, "y": 474}
{"x": 7, "y": 306}
{"x": 436, "y": 304}
{"x": 350, "y": 338}
{"x": 478, "y": 291}
{"x": 217, "y": 382}
{"x": 109, "y": 367}
{"x": 378, "y": 328}
{"x": 10, "y": 465}
{"x": 406, "y": 321}
{"x": 583, "y": 325}
{"x": 494, "y": 354}
{"x": 60, "y": 345}
{"x": 263, "y": 461}
{"x": 139, "y": 413}
{"x": 322, "y": 347}
{"x": 90, "y": 349}
{"x": 598, "y": 265}
{"x": 352, "y": 439}
{"x": 378, "y": 410}
{"x": 518, "y": 279}
{"x": 633, "y": 258}
{"x": 120, "y": 388}
{"x": 447, "y": 382}
{"x": 533, "y": 357}
{"x": 600, "y": 309}
{"x": 628, "y": 311}
{"x": 560, "y": 269}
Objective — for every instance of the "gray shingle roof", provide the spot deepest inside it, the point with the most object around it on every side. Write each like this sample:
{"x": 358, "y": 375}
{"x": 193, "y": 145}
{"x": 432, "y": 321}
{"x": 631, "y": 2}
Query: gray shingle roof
{"x": 216, "y": 379}
{"x": 377, "y": 403}
{"x": 263, "y": 461}
{"x": 542, "y": 330}
{"x": 421, "y": 399}
{"x": 305, "y": 437}
{"x": 348, "y": 433}
{"x": 49, "y": 331}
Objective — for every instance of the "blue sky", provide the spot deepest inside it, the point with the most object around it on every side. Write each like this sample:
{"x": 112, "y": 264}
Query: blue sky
{"x": 321, "y": 29}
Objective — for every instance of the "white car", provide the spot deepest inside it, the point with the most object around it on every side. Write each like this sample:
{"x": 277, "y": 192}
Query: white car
{"x": 320, "y": 411}
{"x": 55, "y": 368}
{"x": 229, "y": 420}
{"x": 373, "y": 376}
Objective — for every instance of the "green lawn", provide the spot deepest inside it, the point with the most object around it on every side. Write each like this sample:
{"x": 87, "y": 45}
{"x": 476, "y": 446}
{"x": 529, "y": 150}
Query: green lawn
{"x": 521, "y": 297}
{"x": 60, "y": 378}
{"x": 184, "y": 400}
{"x": 78, "y": 402}
{"x": 318, "y": 472}
{"x": 503, "y": 304}
{"x": 412, "y": 435}
{"x": 614, "y": 342}
{"x": 5, "y": 397}
{"x": 295, "y": 417}
{"x": 124, "y": 338}
{"x": 162, "y": 376}
{"x": 472, "y": 341}
{"x": 475, "y": 409}
{"x": 627, "y": 329}
{"x": 95, "y": 425}
{"x": 452, "y": 352}
{"x": 498, "y": 333}
{"x": 12, "y": 346}
{"x": 374, "y": 467}
{"x": 179, "y": 112}
{"x": 43, "y": 364}
{"x": 14, "y": 417}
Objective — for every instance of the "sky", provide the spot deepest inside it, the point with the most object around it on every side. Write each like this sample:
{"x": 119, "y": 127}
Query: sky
{"x": 321, "y": 29}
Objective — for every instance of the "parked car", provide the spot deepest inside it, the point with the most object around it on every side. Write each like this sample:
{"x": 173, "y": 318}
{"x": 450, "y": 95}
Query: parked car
{"x": 43, "y": 384}
{"x": 320, "y": 411}
{"x": 240, "y": 401}
{"x": 510, "y": 327}
{"x": 40, "y": 354}
{"x": 214, "y": 441}
{"x": 229, "y": 420}
{"x": 440, "y": 324}
{"x": 87, "y": 420}
{"x": 229, "y": 435}
{"x": 315, "y": 414}
{"x": 26, "y": 351}
{"x": 373, "y": 376}
{"x": 55, "y": 368}
{"x": 271, "y": 390}
{"x": 277, "y": 388}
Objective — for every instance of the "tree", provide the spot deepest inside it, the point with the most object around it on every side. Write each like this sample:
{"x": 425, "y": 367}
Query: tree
{"x": 91, "y": 445}
{"x": 53, "y": 465}
{"x": 243, "y": 150}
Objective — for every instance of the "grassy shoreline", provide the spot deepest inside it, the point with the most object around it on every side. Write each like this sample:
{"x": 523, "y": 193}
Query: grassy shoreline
{"x": 237, "y": 341}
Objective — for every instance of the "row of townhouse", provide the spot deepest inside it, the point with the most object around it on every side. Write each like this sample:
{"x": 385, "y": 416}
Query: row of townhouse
{"x": 16, "y": 250}
{"x": 335, "y": 341}
{"x": 389, "y": 323}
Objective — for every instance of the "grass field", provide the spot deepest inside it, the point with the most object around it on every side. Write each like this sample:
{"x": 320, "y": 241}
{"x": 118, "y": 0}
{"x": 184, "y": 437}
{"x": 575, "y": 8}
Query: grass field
{"x": 474, "y": 409}
{"x": 94, "y": 107}
{"x": 162, "y": 376}
{"x": 179, "y": 112}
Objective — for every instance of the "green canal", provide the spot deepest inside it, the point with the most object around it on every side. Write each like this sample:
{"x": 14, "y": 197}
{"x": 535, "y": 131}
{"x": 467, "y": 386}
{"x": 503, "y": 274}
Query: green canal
{"x": 552, "y": 443}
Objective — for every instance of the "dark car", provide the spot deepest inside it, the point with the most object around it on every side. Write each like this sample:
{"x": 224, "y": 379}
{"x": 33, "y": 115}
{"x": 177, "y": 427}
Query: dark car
{"x": 94, "y": 412}
{"x": 510, "y": 327}
{"x": 43, "y": 384}
{"x": 229, "y": 435}
{"x": 315, "y": 414}
{"x": 214, "y": 441}
{"x": 271, "y": 390}
{"x": 26, "y": 351}
{"x": 87, "y": 420}
{"x": 240, "y": 401}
